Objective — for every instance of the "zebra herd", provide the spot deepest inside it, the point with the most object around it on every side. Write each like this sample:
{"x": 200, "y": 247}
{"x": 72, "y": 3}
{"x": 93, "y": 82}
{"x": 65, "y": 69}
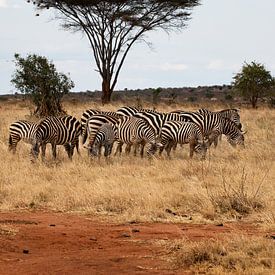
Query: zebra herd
{"x": 144, "y": 129}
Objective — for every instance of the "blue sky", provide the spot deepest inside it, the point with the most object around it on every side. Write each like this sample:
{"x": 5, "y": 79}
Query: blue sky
{"x": 220, "y": 37}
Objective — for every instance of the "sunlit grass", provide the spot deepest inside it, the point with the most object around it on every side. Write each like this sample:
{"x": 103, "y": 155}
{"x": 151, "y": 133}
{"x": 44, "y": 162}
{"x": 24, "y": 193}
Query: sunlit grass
{"x": 130, "y": 188}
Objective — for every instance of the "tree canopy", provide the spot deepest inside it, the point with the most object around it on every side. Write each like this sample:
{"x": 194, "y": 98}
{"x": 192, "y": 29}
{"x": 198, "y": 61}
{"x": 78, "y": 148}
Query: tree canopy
{"x": 37, "y": 77}
{"x": 253, "y": 82}
{"x": 112, "y": 27}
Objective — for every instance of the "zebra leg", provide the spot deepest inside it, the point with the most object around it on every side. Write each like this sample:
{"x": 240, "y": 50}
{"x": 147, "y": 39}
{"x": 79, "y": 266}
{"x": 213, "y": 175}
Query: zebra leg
{"x": 192, "y": 145}
{"x": 213, "y": 137}
{"x": 216, "y": 140}
{"x": 128, "y": 149}
{"x": 69, "y": 149}
{"x": 168, "y": 148}
{"x": 43, "y": 151}
{"x": 119, "y": 148}
{"x": 53, "y": 150}
{"x": 142, "y": 149}
{"x": 13, "y": 144}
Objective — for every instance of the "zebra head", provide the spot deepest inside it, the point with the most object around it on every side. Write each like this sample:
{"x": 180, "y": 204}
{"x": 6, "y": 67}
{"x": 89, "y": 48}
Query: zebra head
{"x": 35, "y": 149}
{"x": 108, "y": 149}
{"x": 154, "y": 146}
{"x": 201, "y": 149}
{"x": 236, "y": 138}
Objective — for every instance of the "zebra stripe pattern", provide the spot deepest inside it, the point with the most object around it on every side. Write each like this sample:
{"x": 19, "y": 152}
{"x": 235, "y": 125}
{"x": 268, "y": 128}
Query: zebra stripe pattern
{"x": 21, "y": 130}
{"x": 213, "y": 125}
{"x": 135, "y": 131}
{"x": 57, "y": 131}
{"x": 232, "y": 114}
{"x": 131, "y": 111}
{"x": 95, "y": 122}
{"x": 174, "y": 132}
{"x": 105, "y": 137}
{"x": 157, "y": 120}
{"x": 88, "y": 114}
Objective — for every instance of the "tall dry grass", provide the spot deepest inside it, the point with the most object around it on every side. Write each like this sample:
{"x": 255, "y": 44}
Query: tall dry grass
{"x": 230, "y": 184}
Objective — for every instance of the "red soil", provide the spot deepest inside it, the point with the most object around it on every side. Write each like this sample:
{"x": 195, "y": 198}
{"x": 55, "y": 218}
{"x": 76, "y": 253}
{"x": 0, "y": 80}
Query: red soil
{"x": 57, "y": 243}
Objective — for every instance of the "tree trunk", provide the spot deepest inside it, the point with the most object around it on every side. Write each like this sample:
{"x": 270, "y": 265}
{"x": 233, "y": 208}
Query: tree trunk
{"x": 106, "y": 92}
{"x": 253, "y": 101}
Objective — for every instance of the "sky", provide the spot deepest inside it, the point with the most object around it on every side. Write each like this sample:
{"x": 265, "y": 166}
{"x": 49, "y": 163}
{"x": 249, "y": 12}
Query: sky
{"x": 219, "y": 38}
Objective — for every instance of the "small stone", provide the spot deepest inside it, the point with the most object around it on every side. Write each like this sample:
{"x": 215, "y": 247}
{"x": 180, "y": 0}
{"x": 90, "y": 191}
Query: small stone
{"x": 219, "y": 224}
{"x": 93, "y": 239}
{"x": 26, "y": 251}
{"x": 126, "y": 235}
{"x": 134, "y": 230}
{"x": 52, "y": 224}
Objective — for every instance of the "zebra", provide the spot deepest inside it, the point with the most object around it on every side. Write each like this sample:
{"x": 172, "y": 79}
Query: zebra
{"x": 131, "y": 111}
{"x": 135, "y": 131}
{"x": 105, "y": 137}
{"x": 95, "y": 122}
{"x": 174, "y": 132}
{"x": 213, "y": 125}
{"x": 21, "y": 130}
{"x": 232, "y": 114}
{"x": 63, "y": 130}
{"x": 86, "y": 115}
{"x": 157, "y": 120}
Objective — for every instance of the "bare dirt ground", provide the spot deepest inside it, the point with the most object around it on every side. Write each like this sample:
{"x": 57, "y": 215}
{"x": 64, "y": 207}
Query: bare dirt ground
{"x": 58, "y": 243}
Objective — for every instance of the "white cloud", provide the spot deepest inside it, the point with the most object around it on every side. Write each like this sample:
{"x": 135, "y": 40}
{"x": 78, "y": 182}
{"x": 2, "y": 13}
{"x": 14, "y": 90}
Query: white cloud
{"x": 173, "y": 67}
{"x": 215, "y": 65}
{"x": 218, "y": 65}
{"x": 3, "y": 3}
{"x": 160, "y": 67}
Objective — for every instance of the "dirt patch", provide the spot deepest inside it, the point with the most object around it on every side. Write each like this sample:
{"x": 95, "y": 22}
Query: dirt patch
{"x": 55, "y": 243}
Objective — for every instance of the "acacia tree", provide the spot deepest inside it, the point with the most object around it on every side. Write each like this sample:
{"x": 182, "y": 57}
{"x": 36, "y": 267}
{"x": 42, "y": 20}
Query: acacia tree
{"x": 253, "y": 82}
{"x": 37, "y": 77}
{"x": 112, "y": 27}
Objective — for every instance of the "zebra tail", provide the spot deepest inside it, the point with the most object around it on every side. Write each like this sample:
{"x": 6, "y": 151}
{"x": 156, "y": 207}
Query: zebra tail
{"x": 10, "y": 142}
{"x": 84, "y": 134}
{"x": 77, "y": 146}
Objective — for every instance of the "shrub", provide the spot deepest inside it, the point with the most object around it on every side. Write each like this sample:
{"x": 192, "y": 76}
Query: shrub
{"x": 37, "y": 77}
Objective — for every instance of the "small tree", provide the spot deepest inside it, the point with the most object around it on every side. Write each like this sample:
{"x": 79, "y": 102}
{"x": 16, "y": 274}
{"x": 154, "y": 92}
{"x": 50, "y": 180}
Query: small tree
{"x": 37, "y": 77}
{"x": 253, "y": 82}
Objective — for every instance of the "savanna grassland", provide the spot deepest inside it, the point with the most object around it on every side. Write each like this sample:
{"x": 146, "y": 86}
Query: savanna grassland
{"x": 230, "y": 185}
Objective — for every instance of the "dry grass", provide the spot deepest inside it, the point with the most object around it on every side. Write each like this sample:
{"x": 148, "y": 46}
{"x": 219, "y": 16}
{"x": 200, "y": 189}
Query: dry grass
{"x": 230, "y": 184}
{"x": 236, "y": 254}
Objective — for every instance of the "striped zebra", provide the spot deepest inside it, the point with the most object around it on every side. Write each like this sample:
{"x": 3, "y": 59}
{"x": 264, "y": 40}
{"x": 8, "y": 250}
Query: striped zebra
{"x": 131, "y": 111}
{"x": 88, "y": 114}
{"x": 213, "y": 125}
{"x": 232, "y": 114}
{"x": 174, "y": 132}
{"x": 63, "y": 130}
{"x": 21, "y": 130}
{"x": 135, "y": 131}
{"x": 95, "y": 122}
{"x": 105, "y": 137}
{"x": 157, "y": 120}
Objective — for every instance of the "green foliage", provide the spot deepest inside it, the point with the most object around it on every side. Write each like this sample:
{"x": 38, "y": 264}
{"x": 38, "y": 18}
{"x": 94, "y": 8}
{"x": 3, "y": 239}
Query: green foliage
{"x": 209, "y": 94}
{"x": 156, "y": 93}
{"x": 192, "y": 98}
{"x": 37, "y": 77}
{"x": 253, "y": 82}
{"x": 228, "y": 97}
